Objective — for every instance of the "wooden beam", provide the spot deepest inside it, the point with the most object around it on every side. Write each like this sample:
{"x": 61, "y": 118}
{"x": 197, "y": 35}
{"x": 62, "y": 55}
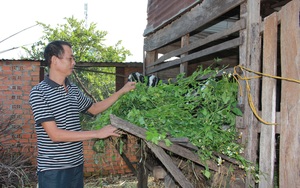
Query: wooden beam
{"x": 220, "y": 47}
{"x": 108, "y": 64}
{"x": 197, "y": 17}
{"x": 267, "y": 136}
{"x": 250, "y": 57}
{"x": 289, "y": 163}
{"x": 150, "y": 57}
{"x": 143, "y": 170}
{"x": 174, "y": 148}
{"x": 125, "y": 158}
{"x": 204, "y": 77}
{"x": 241, "y": 24}
{"x": 184, "y": 65}
{"x": 170, "y": 166}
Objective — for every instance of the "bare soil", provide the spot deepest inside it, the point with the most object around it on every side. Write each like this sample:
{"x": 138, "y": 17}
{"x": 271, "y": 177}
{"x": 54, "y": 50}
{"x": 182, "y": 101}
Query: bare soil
{"x": 120, "y": 182}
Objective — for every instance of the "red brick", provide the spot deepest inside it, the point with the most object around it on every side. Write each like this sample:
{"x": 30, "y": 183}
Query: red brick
{"x": 17, "y": 92}
{"x": 26, "y": 136}
{"x": 6, "y": 68}
{"x": 17, "y": 73}
{"x": 35, "y": 74}
{"x": 23, "y": 141}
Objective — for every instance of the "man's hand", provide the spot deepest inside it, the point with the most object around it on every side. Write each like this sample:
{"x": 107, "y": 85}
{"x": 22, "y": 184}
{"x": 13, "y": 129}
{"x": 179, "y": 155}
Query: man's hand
{"x": 129, "y": 86}
{"x": 107, "y": 131}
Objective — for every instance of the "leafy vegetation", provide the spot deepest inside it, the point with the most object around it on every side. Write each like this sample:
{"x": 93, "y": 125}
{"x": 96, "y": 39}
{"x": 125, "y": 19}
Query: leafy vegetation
{"x": 203, "y": 111}
{"x": 87, "y": 42}
{"x": 88, "y": 46}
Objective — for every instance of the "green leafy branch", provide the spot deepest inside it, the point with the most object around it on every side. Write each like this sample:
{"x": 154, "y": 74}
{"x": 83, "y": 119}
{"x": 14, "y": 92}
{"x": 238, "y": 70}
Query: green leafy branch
{"x": 203, "y": 111}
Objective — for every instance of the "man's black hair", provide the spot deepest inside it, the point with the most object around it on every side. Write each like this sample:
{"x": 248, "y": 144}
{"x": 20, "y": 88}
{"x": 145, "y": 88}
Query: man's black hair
{"x": 54, "y": 48}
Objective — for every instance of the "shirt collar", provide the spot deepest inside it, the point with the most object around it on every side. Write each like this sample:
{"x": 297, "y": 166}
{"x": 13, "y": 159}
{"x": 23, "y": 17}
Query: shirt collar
{"x": 53, "y": 84}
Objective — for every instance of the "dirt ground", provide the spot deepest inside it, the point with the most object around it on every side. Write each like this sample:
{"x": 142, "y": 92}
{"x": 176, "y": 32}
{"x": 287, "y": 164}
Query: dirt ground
{"x": 126, "y": 181}
{"x": 120, "y": 182}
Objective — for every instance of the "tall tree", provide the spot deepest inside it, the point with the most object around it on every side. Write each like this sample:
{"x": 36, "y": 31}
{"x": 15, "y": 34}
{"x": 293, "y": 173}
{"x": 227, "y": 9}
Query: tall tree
{"x": 88, "y": 46}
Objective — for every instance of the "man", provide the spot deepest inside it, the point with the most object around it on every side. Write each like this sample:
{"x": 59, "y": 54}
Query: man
{"x": 56, "y": 104}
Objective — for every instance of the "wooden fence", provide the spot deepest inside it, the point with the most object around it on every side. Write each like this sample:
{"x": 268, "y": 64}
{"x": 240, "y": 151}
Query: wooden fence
{"x": 270, "y": 49}
{"x": 283, "y": 27}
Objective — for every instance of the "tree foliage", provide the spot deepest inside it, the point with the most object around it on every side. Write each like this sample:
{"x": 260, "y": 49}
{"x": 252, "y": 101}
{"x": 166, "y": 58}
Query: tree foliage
{"x": 87, "y": 43}
{"x": 88, "y": 46}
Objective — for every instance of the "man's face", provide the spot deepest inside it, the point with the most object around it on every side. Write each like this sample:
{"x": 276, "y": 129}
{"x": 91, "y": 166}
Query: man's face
{"x": 65, "y": 63}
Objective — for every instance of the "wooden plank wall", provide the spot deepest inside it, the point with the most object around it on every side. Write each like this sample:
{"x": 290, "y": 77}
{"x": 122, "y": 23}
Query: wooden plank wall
{"x": 250, "y": 57}
{"x": 252, "y": 32}
{"x": 267, "y": 132}
{"x": 186, "y": 24}
{"x": 290, "y": 102}
{"x": 289, "y": 162}
{"x": 199, "y": 16}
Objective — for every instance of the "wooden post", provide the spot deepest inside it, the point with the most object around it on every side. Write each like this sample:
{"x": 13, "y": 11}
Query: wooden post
{"x": 143, "y": 172}
{"x": 184, "y": 65}
{"x": 267, "y": 136}
{"x": 170, "y": 166}
{"x": 150, "y": 58}
{"x": 250, "y": 57}
{"x": 125, "y": 158}
{"x": 289, "y": 163}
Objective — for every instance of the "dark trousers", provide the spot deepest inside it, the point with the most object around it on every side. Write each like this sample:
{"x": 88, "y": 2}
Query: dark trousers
{"x": 65, "y": 178}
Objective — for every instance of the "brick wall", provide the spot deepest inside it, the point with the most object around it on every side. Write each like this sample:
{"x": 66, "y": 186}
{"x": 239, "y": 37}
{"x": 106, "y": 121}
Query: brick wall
{"x": 110, "y": 161}
{"x": 16, "y": 80}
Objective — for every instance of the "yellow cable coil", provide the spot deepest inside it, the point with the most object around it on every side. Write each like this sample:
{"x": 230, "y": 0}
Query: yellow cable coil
{"x": 237, "y": 76}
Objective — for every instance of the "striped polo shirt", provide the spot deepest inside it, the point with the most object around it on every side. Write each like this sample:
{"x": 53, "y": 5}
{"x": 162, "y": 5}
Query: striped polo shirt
{"x": 51, "y": 102}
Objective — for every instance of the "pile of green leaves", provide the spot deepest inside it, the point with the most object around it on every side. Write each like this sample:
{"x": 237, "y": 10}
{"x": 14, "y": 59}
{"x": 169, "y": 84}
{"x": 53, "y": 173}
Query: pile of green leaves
{"x": 203, "y": 111}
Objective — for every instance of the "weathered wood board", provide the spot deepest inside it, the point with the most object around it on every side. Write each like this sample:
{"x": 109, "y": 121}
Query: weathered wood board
{"x": 200, "y": 42}
{"x": 290, "y": 102}
{"x": 267, "y": 136}
{"x": 217, "y": 48}
{"x": 197, "y": 17}
{"x": 170, "y": 166}
{"x": 175, "y": 148}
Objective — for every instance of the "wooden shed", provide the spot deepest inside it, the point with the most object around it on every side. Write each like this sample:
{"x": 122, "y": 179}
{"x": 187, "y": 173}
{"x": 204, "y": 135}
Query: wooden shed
{"x": 260, "y": 39}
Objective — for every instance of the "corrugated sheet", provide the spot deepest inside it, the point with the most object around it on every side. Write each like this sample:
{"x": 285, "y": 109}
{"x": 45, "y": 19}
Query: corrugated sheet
{"x": 162, "y": 12}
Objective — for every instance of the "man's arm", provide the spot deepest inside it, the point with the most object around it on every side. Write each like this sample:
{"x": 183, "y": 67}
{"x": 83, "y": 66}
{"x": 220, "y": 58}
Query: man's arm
{"x": 101, "y": 106}
{"x": 60, "y": 135}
